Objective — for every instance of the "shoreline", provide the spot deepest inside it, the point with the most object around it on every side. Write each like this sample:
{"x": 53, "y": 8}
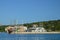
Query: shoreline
{"x": 35, "y": 33}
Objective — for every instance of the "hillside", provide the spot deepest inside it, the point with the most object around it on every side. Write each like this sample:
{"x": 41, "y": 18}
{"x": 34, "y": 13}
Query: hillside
{"x": 52, "y": 25}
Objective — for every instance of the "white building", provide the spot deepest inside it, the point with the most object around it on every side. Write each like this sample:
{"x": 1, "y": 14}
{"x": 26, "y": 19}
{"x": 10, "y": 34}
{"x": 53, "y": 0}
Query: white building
{"x": 37, "y": 29}
{"x": 40, "y": 29}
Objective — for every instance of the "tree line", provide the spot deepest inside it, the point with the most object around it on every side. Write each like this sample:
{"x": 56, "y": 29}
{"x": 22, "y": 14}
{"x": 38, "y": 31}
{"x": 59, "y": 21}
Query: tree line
{"x": 52, "y": 25}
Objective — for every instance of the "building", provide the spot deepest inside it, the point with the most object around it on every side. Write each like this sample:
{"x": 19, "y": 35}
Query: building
{"x": 37, "y": 29}
{"x": 11, "y": 29}
{"x": 40, "y": 29}
{"x": 22, "y": 29}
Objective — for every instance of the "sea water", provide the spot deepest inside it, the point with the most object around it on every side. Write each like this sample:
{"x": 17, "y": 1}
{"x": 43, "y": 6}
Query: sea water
{"x": 6, "y": 36}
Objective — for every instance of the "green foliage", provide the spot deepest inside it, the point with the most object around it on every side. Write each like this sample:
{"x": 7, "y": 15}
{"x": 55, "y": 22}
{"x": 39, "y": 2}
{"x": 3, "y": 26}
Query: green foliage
{"x": 2, "y": 28}
{"x": 53, "y": 25}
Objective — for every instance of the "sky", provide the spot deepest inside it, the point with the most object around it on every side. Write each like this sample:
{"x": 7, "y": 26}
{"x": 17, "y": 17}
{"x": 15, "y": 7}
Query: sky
{"x": 28, "y": 11}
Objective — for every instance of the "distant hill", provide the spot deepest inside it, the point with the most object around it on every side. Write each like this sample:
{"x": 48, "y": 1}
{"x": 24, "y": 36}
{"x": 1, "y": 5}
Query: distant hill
{"x": 52, "y": 25}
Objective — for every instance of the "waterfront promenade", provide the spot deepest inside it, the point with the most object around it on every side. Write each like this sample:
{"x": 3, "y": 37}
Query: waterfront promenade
{"x": 35, "y": 33}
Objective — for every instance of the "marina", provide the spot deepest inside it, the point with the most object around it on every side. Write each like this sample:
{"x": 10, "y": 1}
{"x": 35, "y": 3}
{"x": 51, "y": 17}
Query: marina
{"x": 29, "y": 19}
